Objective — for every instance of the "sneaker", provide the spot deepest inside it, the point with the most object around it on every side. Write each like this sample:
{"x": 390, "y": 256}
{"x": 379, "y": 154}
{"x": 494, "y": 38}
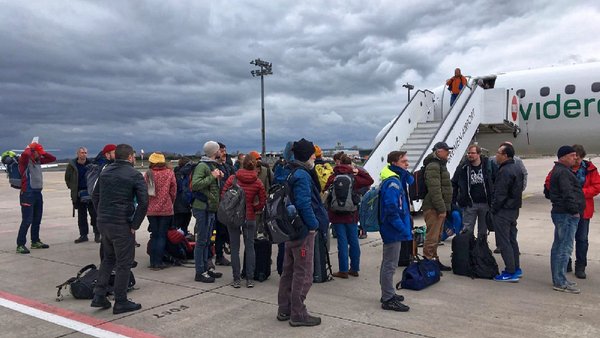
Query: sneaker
{"x": 97, "y": 238}
{"x": 310, "y": 321}
{"x": 496, "y": 251}
{"x": 237, "y": 284}
{"x": 506, "y": 277}
{"x": 340, "y": 274}
{"x": 443, "y": 267}
{"x": 22, "y": 249}
{"x": 214, "y": 274}
{"x": 571, "y": 283}
{"x": 126, "y": 306}
{"x": 249, "y": 283}
{"x": 353, "y": 273}
{"x": 222, "y": 261}
{"x": 519, "y": 273}
{"x": 399, "y": 298}
{"x": 204, "y": 278}
{"x": 567, "y": 288}
{"x": 81, "y": 239}
{"x": 39, "y": 245}
{"x": 282, "y": 317}
{"x": 394, "y": 305}
{"x": 101, "y": 301}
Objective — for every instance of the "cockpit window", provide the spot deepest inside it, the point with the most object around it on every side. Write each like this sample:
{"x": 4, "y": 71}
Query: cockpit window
{"x": 545, "y": 91}
{"x": 570, "y": 89}
{"x": 521, "y": 93}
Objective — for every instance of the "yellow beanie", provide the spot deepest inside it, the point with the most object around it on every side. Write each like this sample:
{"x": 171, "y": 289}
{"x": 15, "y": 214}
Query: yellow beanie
{"x": 156, "y": 158}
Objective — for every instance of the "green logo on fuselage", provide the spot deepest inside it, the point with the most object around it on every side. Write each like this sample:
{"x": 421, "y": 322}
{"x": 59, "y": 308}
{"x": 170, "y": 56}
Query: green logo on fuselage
{"x": 571, "y": 108}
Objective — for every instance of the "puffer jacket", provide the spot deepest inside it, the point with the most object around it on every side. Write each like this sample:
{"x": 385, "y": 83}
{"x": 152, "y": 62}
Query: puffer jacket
{"x": 305, "y": 195}
{"x": 508, "y": 187}
{"x": 566, "y": 193}
{"x": 204, "y": 182}
{"x": 161, "y": 204}
{"x": 439, "y": 187}
{"x": 253, "y": 188}
{"x": 396, "y": 222}
{"x": 119, "y": 187}
{"x": 361, "y": 180}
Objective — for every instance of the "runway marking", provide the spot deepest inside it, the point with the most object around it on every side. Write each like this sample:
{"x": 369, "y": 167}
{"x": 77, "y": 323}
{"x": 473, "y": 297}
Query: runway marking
{"x": 85, "y": 324}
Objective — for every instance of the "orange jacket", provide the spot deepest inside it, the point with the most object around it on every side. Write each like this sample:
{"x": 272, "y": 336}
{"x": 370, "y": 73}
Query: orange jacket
{"x": 455, "y": 83}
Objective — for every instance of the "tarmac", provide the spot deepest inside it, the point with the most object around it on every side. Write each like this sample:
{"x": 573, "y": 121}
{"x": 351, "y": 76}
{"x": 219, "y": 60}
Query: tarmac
{"x": 176, "y": 306}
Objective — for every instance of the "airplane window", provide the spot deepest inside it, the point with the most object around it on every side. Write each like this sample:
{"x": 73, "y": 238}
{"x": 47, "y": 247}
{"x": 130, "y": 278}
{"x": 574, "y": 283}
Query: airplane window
{"x": 596, "y": 87}
{"x": 521, "y": 93}
{"x": 545, "y": 91}
{"x": 570, "y": 89}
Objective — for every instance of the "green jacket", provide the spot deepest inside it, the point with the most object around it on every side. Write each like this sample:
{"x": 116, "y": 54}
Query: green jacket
{"x": 439, "y": 186}
{"x": 204, "y": 182}
{"x": 72, "y": 179}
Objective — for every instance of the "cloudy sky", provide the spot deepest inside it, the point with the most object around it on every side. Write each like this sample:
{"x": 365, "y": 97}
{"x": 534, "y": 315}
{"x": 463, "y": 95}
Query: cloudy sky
{"x": 170, "y": 75}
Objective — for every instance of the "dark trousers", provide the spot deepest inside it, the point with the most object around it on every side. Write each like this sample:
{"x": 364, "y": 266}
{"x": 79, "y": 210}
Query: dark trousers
{"x": 118, "y": 244}
{"x": 158, "y": 227}
{"x": 505, "y": 226}
{"x": 182, "y": 221}
{"x": 581, "y": 244}
{"x": 297, "y": 277}
{"x": 221, "y": 238}
{"x": 83, "y": 208}
{"x": 32, "y": 207}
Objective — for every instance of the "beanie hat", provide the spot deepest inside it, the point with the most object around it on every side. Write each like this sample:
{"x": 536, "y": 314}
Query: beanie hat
{"x": 303, "y": 150}
{"x": 108, "y": 148}
{"x": 564, "y": 150}
{"x": 255, "y": 154}
{"x": 156, "y": 158}
{"x": 211, "y": 148}
{"x": 318, "y": 151}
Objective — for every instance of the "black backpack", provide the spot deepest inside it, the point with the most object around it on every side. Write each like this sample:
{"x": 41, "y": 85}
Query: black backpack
{"x": 232, "y": 206}
{"x": 82, "y": 285}
{"x": 483, "y": 263}
{"x": 11, "y": 164}
{"x": 280, "y": 215}
{"x": 462, "y": 245}
{"x": 418, "y": 189}
{"x": 341, "y": 198}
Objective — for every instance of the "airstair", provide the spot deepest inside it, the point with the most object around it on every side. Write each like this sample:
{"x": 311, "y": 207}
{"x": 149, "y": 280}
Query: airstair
{"x": 424, "y": 122}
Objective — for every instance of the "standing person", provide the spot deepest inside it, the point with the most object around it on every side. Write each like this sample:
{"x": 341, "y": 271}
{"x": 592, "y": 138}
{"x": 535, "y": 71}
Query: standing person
{"x": 455, "y": 85}
{"x": 324, "y": 170}
{"x": 30, "y": 198}
{"x": 119, "y": 186}
{"x": 248, "y": 180}
{"x": 222, "y": 236}
{"x": 437, "y": 200}
{"x": 568, "y": 204}
{"x": 506, "y": 202}
{"x": 281, "y": 176}
{"x": 588, "y": 177}
{"x": 396, "y": 225}
{"x": 298, "y": 262}
{"x": 346, "y": 224}
{"x": 205, "y": 185}
{"x": 265, "y": 174}
{"x": 472, "y": 190}
{"x": 238, "y": 163}
{"x": 76, "y": 182}
{"x": 181, "y": 207}
{"x": 162, "y": 190}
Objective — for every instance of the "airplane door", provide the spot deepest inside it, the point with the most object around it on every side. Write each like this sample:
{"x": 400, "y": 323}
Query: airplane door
{"x": 512, "y": 108}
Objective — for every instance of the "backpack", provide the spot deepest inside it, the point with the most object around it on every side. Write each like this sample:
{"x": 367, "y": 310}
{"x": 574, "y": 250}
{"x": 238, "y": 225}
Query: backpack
{"x": 418, "y": 189}
{"x": 341, "y": 198}
{"x": 452, "y": 225}
{"x": 91, "y": 176}
{"x": 483, "y": 263}
{"x": 368, "y": 212}
{"x": 462, "y": 245}
{"x": 280, "y": 215}
{"x": 82, "y": 285}
{"x": 196, "y": 195}
{"x": 323, "y": 172}
{"x": 232, "y": 207}
{"x": 11, "y": 162}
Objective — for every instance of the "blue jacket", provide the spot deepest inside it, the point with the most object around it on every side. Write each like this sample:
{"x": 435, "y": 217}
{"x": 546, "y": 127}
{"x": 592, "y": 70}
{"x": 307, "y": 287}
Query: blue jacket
{"x": 307, "y": 199}
{"x": 395, "y": 210}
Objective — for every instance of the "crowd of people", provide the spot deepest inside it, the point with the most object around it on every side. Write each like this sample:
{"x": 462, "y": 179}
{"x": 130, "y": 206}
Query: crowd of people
{"x": 117, "y": 197}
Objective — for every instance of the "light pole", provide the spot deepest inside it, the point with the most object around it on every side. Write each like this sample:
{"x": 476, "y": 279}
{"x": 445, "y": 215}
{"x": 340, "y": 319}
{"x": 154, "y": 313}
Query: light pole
{"x": 409, "y": 87}
{"x": 265, "y": 69}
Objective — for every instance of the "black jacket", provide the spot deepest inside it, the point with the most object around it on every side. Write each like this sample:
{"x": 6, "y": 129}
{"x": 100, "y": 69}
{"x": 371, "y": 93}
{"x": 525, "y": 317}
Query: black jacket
{"x": 565, "y": 191}
{"x": 461, "y": 187}
{"x": 508, "y": 187}
{"x": 119, "y": 187}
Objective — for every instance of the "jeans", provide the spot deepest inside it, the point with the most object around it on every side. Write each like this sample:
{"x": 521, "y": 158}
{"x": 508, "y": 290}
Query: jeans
{"x": 118, "y": 245}
{"x": 389, "y": 263}
{"x": 565, "y": 226}
{"x": 32, "y": 207}
{"x": 248, "y": 230}
{"x": 205, "y": 222}
{"x": 505, "y": 226}
{"x": 348, "y": 236}
{"x": 476, "y": 213}
{"x": 83, "y": 208}
{"x": 453, "y": 98}
{"x": 297, "y": 277}
{"x": 581, "y": 244}
{"x": 158, "y": 227}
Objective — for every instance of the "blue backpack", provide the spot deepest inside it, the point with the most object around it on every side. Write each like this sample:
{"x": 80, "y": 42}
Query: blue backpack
{"x": 369, "y": 211}
{"x": 11, "y": 162}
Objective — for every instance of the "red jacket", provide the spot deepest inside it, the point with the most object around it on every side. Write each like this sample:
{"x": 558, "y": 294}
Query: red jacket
{"x": 252, "y": 186}
{"x": 362, "y": 179}
{"x": 161, "y": 204}
{"x": 591, "y": 188}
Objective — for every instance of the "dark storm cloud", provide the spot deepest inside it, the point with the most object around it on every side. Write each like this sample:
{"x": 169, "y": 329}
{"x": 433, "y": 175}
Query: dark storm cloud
{"x": 169, "y": 75}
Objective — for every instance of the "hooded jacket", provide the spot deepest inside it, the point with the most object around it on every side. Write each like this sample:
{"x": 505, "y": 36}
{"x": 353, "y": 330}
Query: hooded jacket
{"x": 306, "y": 198}
{"x": 361, "y": 180}
{"x": 396, "y": 222}
{"x": 461, "y": 183}
{"x": 253, "y": 188}
{"x": 439, "y": 187}
{"x": 31, "y": 170}
{"x": 204, "y": 182}
{"x": 161, "y": 204}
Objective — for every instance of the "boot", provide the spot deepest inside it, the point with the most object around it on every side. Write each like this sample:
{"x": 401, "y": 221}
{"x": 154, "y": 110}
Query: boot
{"x": 101, "y": 301}
{"x": 580, "y": 272}
{"x": 126, "y": 306}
